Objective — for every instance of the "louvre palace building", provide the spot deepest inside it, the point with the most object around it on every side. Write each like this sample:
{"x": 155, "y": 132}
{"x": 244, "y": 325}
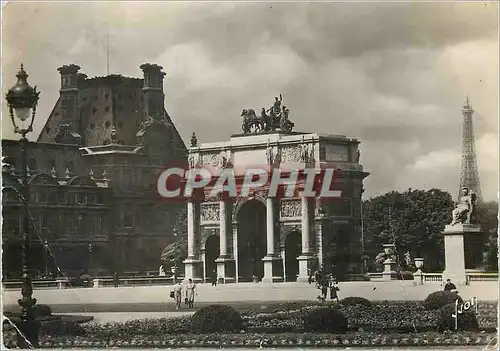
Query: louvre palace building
{"x": 92, "y": 177}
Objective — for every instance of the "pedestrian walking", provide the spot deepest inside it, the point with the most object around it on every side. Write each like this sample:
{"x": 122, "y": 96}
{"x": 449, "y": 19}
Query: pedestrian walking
{"x": 177, "y": 294}
{"x": 190, "y": 292}
{"x": 214, "y": 278}
{"x": 324, "y": 286}
{"x": 116, "y": 279}
{"x": 334, "y": 288}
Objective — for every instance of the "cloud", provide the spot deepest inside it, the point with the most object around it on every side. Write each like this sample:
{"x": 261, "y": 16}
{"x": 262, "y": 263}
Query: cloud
{"x": 394, "y": 75}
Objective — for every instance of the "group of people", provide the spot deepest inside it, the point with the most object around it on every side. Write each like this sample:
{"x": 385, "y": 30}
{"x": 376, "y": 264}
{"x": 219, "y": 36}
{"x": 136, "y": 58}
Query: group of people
{"x": 188, "y": 289}
{"x": 325, "y": 282}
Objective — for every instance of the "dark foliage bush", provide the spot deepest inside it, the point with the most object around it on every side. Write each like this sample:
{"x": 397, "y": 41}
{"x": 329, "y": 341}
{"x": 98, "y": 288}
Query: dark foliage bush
{"x": 61, "y": 327}
{"x": 354, "y": 300}
{"x": 438, "y": 299}
{"x": 42, "y": 310}
{"x": 406, "y": 275}
{"x": 325, "y": 320}
{"x": 466, "y": 320}
{"x": 216, "y": 319}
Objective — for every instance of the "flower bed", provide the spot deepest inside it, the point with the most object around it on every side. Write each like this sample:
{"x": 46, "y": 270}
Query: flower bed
{"x": 289, "y": 340}
{"x": 403, "y": 323}
{"x": 402, "y": 316}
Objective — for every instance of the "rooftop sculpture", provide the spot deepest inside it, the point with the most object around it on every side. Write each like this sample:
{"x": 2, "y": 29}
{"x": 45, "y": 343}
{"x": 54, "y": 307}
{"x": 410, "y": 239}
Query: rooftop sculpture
{"x": 276, "y": 119}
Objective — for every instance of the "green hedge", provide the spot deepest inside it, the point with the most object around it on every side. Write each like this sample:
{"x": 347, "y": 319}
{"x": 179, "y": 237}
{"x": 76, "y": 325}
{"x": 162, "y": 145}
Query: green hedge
{"x": 216, "y": 319}
{"x": 325, "y": 320}
{"x": 354, "y": 300}
{"x": 438, "y": 299}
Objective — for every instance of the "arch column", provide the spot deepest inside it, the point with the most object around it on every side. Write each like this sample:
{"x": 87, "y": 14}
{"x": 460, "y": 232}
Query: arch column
{"x": 192, "y": 263}
{"x": 223, "y": 261}
{"x": 306, "y": 258}
{"x": 271, "y": 260}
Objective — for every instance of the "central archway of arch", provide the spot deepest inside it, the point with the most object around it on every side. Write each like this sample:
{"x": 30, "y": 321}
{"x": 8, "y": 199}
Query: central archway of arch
{"x": 256, "y": 256}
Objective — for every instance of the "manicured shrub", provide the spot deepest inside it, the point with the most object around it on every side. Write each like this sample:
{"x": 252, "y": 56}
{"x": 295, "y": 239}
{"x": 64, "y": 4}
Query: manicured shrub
{"x": 354, "y": 300}
{"x": 466, "y": 320}
{"x": 325, "y": 320}
{"x": 216, "y": 319}
{"x": 438, "y": 299}
{"x": 42, "y": 310}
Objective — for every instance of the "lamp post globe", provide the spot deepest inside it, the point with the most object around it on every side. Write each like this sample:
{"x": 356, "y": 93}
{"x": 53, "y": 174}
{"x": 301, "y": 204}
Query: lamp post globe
{"x": 22, "y": 100}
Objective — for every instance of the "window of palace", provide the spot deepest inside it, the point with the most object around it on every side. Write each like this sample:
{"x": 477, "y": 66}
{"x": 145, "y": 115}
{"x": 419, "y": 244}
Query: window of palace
{"x": 80, "y": 223}
{"x": 53, "y": 196}
{"x": 101, "y": 225}
{"x": 32, "y": 164}
{"x": 42, "y": 195}
{"x": 128, "y": 219}
{"x": 34, "y": 196}
{"x": 69, "y": 166}
{"x": 69, "y": 223}
{"x": 81, "y": 198}
{"x": 91, "y": 198}
{"x": 62, "y": 198}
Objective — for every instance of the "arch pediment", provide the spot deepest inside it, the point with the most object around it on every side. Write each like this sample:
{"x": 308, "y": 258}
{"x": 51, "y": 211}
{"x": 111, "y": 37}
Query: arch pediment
{"x": 81, "y": 181}
{"x": 42, "y": 178}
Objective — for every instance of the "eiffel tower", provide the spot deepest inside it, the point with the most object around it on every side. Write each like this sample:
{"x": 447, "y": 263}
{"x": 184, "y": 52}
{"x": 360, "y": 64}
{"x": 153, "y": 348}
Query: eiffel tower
{"x": 469, "y": 175}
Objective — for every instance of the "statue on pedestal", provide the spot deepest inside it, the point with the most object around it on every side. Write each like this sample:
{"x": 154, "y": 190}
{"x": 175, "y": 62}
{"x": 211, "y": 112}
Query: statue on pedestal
{"x": 465, "y": 208}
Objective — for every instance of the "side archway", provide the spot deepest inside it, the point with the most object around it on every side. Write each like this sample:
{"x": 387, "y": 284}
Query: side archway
{"x": 212, "y": 246}
{"x": 293, "y": 248}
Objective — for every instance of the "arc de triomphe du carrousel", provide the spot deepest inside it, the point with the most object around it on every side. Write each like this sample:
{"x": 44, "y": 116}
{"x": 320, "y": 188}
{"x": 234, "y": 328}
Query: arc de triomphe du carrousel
{"x": 259, "y": 237}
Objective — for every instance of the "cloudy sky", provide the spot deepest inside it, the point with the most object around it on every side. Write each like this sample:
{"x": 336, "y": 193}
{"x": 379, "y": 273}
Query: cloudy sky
{"x": 394, "y": 76}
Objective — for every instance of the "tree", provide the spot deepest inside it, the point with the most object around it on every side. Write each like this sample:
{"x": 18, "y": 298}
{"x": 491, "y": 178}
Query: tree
{"x": 488, "y": 218}
{"x": 412, "y": 220}
{"x": 174, "y": 254}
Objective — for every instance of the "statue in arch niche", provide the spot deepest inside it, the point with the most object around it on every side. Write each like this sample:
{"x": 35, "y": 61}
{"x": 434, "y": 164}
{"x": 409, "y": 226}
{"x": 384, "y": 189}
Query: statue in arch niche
{"x": 465, "y": 209}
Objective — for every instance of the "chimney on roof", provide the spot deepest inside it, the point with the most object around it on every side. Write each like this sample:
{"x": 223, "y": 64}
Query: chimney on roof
{"x": 152, "y": 89}
{"x": 69, "y": 94}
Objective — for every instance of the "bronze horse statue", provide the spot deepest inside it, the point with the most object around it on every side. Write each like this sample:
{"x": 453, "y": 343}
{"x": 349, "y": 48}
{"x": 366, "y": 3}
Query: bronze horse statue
{"x": 251, "y": 121}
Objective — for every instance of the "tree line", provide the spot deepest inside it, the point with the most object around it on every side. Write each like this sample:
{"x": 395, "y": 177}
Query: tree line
{"x": 413, "y": 220}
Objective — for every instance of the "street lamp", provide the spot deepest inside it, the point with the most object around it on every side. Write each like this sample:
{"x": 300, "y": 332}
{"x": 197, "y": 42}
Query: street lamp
{"x": 22, "y": 100}
{"x": 46, "y": 249}
{"x": 90, "y": 258}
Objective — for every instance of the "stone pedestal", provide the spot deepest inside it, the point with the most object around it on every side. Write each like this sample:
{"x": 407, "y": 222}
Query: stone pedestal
{"x": 418, "y": 277}
{"x": 270, "y": 263}
{"x": 389, "y": 273}
{"x": 305, "y": 263}
{"x": 223, "y": 268}
{"x": 454, "y": 251}
{"x": 192, "y": 269}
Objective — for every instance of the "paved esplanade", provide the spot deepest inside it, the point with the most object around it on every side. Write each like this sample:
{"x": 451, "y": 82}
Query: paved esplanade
{"x": 248, "y": 292}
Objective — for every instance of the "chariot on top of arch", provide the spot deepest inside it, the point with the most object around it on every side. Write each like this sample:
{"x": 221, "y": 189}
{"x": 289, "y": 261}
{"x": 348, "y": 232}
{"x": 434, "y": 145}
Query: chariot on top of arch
{"x": 276, "y": 117}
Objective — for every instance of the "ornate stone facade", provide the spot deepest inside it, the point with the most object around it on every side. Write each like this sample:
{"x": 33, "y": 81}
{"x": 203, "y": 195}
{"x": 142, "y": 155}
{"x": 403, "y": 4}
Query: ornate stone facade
{"x": 290, "y": 209}
{"x": 209, "y": 212}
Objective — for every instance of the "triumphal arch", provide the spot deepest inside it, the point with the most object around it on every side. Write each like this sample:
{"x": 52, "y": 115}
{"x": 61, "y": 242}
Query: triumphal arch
{"x": 258, "y": 237}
